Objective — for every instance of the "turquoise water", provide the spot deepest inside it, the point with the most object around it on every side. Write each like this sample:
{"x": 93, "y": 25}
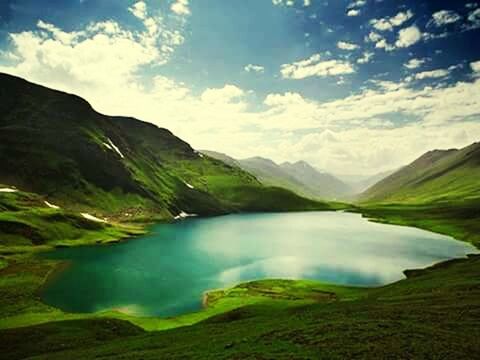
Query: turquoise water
{"x": 166, "y": 272}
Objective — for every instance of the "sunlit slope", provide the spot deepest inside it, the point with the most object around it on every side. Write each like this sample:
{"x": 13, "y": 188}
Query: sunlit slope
{"x": 28, "y": 219}
{"x": 437, "y": 176}
{"x": 56, "y": 145}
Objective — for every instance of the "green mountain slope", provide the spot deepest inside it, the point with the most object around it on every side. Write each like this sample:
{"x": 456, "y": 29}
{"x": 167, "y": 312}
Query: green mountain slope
{"x": 299, "y": 177}
{"x": 439, "y": 175}
{"x": 56, "y": 145}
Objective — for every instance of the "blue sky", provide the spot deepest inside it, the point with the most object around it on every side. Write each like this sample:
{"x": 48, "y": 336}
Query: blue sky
{"x": 354, "y": 87}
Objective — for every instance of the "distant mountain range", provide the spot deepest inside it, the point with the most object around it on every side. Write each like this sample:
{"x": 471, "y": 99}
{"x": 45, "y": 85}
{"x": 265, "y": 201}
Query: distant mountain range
{"x": 300, "y": 176}
{"x": 439, "y": 175}
{"x": 360, "y": 183}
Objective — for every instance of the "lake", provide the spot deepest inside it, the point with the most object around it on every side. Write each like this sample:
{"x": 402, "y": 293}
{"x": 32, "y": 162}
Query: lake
{"x": 166, "y": 272}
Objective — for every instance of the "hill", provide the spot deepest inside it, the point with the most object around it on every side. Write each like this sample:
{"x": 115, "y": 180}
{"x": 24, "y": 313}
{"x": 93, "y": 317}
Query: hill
{"x": 57, "y": 147}
{"x": 437, "y": 176}
{"x": 299, "y": 177}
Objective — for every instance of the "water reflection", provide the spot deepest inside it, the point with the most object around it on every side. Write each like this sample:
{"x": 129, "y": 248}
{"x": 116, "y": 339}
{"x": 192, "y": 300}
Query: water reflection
{"x": 165, "y": 272}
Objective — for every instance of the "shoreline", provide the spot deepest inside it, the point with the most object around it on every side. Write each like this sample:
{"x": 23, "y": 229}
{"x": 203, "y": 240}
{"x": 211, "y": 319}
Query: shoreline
{"x": 58, "y": 268}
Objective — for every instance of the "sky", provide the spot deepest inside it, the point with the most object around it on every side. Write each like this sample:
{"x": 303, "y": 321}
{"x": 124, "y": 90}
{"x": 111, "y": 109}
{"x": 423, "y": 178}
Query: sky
{"x": 353, "y": 87}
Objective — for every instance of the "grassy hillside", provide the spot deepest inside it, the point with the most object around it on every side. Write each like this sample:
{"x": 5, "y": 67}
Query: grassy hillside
{"x": 439, "y": 192}
{"x": 28, "y": 219}
{"x": 437, "y": 176}
{"x": 56, "y": 145}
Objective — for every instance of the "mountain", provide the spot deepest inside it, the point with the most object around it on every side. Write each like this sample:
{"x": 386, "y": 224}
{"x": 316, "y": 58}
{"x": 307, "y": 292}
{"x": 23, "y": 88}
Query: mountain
{"x": 269, "y": 173}
{"x": 56, "y": 145}
{"x": 322, "y": 184}
{"x": 222, "y": 157}
{"x": 439, "y": 175}
{"x": 299, "y": 177}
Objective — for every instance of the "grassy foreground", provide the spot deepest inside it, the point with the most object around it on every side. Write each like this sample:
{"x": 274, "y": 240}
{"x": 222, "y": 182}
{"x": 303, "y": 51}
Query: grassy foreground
{"x": 433, "y": 314}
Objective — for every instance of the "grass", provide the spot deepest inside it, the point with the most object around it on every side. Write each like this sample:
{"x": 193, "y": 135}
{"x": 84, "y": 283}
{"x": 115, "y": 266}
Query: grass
{"x": 28, "y": 224}
{"x": 432, "y": 314}
{"x": 21, "y": 283}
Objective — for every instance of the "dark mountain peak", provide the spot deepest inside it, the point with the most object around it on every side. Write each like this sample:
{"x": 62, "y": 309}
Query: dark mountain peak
{"x": 15, "y": 89}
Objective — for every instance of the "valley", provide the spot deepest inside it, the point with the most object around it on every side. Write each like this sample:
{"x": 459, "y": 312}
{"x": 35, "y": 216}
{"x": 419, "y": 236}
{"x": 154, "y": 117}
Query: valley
{"x": 71, "y": 177}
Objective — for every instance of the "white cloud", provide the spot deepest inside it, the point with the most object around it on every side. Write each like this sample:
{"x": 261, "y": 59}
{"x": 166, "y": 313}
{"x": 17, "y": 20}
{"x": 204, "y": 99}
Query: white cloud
{"x": 432, "y": 74}
{"x": 102, "y": 62}
{"x": 254, "y": 68}
{"x": 139, "y": 9}
{"x": 380, "y": 41}
{"x": 430, "y": 105}
{"x": 288, "y": 98}
{"x": 343, "y": 45}
{"x": 408, "y": 37}
{"x": 444, "y": 17}
{"x": 353, "y": 7}
{"x": 314, "y": 66}
{"x": 227, "y": 94}
{"x": 291, "y": 2}
{"x": 414, "y": 63}
{"x": 358, "y": 3}
{"x": 103, "y": 52}
{"x": 365, "y": 138}
{"x": 181, "y": 7}
{"x": 383, "y": 44}
{"x": 474, "y": 17}
{"x": 388, "y": 23}
{"x": 475, "y": 66}
{"x": 366, "y": 57}
{"x": 353, "y": 12}
{"x": 373, "y": 37}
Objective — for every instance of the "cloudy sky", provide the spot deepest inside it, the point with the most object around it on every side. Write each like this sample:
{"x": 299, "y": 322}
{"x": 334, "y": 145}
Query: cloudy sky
{"x": 354, "y": 87}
